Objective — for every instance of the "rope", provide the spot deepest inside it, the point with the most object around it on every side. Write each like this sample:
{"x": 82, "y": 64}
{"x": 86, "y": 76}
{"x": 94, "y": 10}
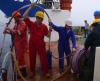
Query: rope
{"x": 62, "y": 57}
{"x": 17, "y": 66}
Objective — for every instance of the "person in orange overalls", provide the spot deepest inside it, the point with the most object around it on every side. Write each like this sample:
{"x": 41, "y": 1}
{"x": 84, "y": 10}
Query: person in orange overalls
{"x": 20, "y": 40}
{"x": 37, "y": 31}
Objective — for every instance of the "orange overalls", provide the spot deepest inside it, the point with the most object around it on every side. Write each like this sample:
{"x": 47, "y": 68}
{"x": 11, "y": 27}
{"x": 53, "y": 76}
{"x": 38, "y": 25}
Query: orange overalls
{"x": 20, "y": 42}
{"x": 37, "y": 45}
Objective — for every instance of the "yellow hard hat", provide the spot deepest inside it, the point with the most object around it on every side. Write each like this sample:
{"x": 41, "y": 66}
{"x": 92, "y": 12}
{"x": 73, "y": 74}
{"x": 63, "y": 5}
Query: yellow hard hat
{"x": 39, "y": 14}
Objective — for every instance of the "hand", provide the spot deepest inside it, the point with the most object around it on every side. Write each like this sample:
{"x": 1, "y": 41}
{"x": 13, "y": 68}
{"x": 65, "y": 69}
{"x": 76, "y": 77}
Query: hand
{"x": 49, "y": 20}
{"x": 74, "y": 50}
{"x": 50, "y": 28}
{"x": 7, "y": 30}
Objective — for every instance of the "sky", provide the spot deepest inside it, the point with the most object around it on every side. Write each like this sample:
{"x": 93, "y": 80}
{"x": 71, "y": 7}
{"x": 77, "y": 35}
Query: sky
{"x": 81, "y": 10}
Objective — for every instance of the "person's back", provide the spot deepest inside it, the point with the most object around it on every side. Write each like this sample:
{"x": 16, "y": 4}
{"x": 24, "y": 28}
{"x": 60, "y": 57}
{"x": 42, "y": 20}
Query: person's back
{"x": 96, "y": 32}
{"x": 92, "y": 41}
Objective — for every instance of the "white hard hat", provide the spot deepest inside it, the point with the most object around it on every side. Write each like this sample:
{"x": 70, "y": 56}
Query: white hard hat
{"x": 68, "y": 22}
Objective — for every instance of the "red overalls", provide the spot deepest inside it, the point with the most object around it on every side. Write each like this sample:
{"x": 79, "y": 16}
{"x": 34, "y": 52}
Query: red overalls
{"x": 20, "y": 42}
{"x": 37, "y": 44}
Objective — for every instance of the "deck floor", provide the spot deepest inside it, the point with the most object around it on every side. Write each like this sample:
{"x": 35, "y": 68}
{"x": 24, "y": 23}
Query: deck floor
{"x": 66, "y": 77}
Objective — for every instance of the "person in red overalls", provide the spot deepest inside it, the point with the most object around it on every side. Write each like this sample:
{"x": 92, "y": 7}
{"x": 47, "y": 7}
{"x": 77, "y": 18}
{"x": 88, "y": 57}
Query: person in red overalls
{"x": 20, "y": 40}
{"x": 36, "y": 42}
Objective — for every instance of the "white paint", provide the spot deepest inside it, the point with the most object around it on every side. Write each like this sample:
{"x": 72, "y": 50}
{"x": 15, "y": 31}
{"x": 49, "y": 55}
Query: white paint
{"x": 58, "y": 17}
{"x": 97, "y": 65}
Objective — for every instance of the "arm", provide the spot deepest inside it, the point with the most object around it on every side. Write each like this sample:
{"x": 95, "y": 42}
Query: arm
{"x": 56, "y": 28}
{"x": 28, "y": 22}
{"x": 25, "y": 18}
{"x": 28, "y": 10}
{"x": 73, "y": 39}
{"x": 45, "y": 29}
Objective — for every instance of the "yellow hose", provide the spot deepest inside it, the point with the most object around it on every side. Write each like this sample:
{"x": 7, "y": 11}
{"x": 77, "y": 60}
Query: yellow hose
{"x": 17, "y": 66}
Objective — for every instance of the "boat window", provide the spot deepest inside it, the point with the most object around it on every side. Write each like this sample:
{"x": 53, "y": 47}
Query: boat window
{"x": 48, "y": 3}
{"x": 52, "y": 4}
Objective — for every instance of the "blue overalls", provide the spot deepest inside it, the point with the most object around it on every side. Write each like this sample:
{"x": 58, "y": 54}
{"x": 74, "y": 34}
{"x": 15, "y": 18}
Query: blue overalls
{"x": 63, "y": 43}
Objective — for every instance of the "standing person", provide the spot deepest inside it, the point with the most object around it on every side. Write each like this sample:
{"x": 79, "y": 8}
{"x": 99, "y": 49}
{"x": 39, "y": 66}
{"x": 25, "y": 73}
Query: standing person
{"x": 37, "y": 31}
{"x": 65, "y": 33}
{"x": 20, "y": 40}
{"x": 86, "y": 27}
{"x": 92, "y": 41}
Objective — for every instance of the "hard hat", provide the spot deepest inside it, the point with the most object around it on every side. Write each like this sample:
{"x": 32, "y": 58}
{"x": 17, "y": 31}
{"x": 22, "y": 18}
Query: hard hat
{"x": 16, "y": 14}
{"x": 97, "y": 13}
{"x": 68, "y": 22}
{"x": 39, "y": 14}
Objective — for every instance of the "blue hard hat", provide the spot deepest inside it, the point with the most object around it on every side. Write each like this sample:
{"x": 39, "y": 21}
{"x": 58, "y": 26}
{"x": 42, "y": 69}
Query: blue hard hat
{"x": 97, "y": 13}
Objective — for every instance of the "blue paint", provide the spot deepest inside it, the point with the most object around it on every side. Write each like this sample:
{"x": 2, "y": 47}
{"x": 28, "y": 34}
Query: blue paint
{"x": 8, "y": 6}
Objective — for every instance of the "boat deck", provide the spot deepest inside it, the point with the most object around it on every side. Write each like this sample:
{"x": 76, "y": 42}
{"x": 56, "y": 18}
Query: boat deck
{"x": 66, "y": 76}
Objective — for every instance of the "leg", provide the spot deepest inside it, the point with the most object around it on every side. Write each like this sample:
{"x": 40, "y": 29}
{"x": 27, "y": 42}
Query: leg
{"x": 68, "y": 52}
{"x": 32, "y": 56}
{"x": 61, "y": 55}
{"x": 43, "y": 58}
{"x": 20, "y": 57}
{"x": 20, "y": 54}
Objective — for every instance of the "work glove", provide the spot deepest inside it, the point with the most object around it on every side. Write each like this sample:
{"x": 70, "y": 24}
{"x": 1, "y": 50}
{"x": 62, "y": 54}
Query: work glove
{"x": 50, "y": 28}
